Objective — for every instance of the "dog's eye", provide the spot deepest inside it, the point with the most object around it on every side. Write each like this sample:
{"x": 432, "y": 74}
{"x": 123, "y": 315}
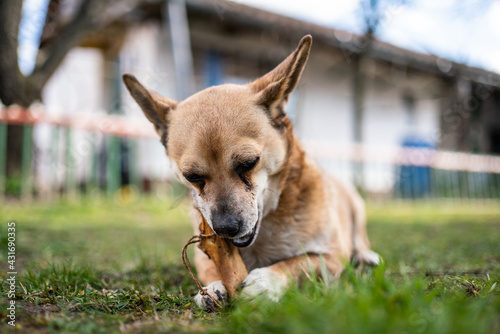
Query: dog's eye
{"x": 247, "y": 166}
{"x": 194, "y": 178}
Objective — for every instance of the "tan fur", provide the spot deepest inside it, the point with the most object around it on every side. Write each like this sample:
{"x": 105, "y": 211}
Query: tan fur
{"x": 304, "y": 220}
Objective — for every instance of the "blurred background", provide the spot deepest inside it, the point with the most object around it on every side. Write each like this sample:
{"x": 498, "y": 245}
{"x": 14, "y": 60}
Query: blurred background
{"x": 401, "y": 97}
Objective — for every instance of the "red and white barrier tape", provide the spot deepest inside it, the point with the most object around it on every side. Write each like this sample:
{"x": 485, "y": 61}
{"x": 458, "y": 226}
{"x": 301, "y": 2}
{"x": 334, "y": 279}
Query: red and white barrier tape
{"x": 106, "y": 124}
{"x": 128, "y": 127}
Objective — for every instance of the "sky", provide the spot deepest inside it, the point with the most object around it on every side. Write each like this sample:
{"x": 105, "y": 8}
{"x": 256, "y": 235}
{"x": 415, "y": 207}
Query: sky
{"x": 30, "y": 30}
{"x": 465, "y": 31}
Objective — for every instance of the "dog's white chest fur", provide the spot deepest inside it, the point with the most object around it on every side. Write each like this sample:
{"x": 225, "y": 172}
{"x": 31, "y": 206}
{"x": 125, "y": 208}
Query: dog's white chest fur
{"x": 278, "y": 242}
{"x": 271, "y": 246}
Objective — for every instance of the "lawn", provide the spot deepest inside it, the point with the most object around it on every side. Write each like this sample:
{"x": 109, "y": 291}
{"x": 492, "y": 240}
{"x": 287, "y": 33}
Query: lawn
{"x": 99, "y": 266}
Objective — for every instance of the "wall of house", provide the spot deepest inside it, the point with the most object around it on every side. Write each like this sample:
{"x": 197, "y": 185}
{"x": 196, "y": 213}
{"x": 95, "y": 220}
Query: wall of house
{"x": 326, "y": 113}
{"x": 75, "y": 88}
{"x": 146, "y": 54}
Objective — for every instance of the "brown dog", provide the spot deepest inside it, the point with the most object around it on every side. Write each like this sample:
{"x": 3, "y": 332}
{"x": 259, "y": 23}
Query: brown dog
{"x": 234, "y": 147}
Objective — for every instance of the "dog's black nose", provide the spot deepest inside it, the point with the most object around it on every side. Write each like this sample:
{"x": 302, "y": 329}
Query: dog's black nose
{"x": 225, "y": 221}
{"x": 226, "y": 227}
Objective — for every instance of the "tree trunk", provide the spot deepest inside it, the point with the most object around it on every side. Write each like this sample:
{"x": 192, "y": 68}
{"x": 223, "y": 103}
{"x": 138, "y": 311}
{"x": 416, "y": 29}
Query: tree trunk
{"x": 11, "y": 80}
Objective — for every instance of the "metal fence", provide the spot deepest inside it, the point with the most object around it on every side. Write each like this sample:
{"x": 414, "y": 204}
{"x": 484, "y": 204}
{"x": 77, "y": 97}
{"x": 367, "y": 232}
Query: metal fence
{"x": 111, "y": 147}
{"x": 102, "y": 145}
{"x": 412, "y": 173}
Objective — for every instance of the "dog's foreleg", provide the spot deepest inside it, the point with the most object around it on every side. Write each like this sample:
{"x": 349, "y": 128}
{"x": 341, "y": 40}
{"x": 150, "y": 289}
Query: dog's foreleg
{"x": 362, "y": 254}
{"x": 272, "y": 281}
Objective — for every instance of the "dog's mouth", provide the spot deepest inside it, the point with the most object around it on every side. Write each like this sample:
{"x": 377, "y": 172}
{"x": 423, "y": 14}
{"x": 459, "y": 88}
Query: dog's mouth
{"x": 246, "y": 240}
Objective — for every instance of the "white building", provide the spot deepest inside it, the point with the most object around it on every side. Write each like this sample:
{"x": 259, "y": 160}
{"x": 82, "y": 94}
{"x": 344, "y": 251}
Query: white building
{"x": 406, "y": 93}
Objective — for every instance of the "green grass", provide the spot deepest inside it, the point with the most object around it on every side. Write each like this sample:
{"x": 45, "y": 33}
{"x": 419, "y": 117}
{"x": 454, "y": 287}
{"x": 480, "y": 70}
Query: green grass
{"x": 100, "y": 267}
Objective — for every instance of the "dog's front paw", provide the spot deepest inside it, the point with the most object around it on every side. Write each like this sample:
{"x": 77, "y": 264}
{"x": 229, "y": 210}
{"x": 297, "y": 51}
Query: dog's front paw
{"x": 264, "y": 281}
{"x": 367, "y": 257}
{"x": 215, "y": 289}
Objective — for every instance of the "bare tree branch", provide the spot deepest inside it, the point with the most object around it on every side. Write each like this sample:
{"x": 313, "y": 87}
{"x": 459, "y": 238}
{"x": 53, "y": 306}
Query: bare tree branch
{"x": 90, "y": 16}
{"x": 84, "y": 21}
{"x": 49, "y": 30}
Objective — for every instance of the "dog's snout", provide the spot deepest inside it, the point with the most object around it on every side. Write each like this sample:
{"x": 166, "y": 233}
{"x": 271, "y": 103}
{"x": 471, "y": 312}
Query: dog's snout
{"x": 227, "y": 226}
{"x": 225, "y": 221}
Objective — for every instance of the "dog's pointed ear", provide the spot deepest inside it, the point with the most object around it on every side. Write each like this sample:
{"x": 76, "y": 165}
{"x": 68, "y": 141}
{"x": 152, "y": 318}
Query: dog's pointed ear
{"x": 274, "y": 88}
{"x": 154, "y": 106}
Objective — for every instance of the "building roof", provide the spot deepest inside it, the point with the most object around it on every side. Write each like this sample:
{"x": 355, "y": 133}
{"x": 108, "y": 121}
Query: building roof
{"x": 230, "y": 13}
{"x": 236, "y": 13}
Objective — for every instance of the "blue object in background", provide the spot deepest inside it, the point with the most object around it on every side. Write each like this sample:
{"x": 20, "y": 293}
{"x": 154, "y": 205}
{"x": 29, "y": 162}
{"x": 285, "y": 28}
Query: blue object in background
{"x": 414, "y": 181}
{"x": 214, "y": 69}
